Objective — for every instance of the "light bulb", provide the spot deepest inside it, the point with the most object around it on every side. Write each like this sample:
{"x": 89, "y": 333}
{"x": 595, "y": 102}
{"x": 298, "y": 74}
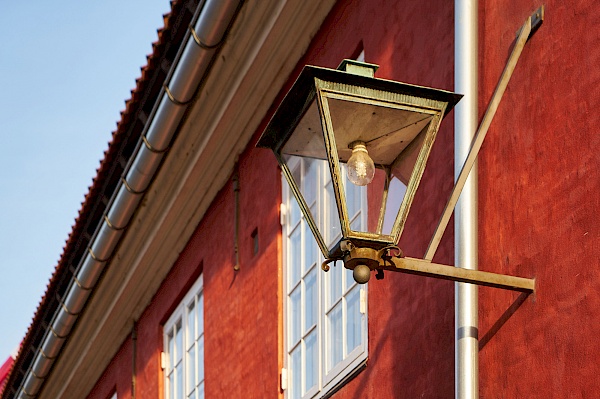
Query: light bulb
{"x": 361, "y": 168}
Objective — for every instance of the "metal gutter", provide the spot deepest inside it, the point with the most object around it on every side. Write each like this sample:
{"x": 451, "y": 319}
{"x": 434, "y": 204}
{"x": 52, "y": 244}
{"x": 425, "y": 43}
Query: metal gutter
{"x": 213, "y": 19}
{"x": 466, "y": 361}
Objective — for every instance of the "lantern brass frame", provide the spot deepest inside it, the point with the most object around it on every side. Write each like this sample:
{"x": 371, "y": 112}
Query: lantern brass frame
{"x": 376, "y": 251}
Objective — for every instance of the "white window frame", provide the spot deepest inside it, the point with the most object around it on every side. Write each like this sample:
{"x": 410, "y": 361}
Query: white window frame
{"x": 326, "y": 380}
{"x": 180, "y": 321}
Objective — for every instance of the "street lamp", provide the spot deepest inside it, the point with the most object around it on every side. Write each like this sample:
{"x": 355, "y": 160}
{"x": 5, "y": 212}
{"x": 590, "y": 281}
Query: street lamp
{"x": 374, "y": 135}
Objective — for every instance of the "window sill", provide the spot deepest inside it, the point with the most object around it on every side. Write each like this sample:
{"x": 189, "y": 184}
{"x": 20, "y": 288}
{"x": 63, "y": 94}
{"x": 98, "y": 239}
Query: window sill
{"x": 347, "y": 378}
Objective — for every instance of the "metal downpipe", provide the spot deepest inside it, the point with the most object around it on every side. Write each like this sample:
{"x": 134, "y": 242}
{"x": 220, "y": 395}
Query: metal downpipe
{"x": 466, "y": 363}
{"x": 189, "y": 70}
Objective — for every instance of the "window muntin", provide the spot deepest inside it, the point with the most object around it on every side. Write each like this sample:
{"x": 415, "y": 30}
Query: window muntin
{"x": 184, "y": 347}
{"x": 326, "y": 333}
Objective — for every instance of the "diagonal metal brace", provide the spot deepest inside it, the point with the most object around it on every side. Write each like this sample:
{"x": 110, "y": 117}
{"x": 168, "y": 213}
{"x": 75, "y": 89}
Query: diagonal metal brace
{"x": 529, "y": 27}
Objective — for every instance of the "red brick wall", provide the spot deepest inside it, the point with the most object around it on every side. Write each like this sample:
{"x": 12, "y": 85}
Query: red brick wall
{"x": 539, "y": 203}
{"x": 117, "y": 377}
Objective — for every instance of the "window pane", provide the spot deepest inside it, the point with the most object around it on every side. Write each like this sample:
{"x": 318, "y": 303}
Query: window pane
{"x": 295, "y": 313}
{"x": 178, "y": 343}
{"x": 179, "y": 381}
{"x": 294, "y": 208}
{"x": 191, "y": 369}
{"x": 200, "y": 363}
{"x": 356, "y": 223}
{"x": 353, "y": 322}
{"x": 191, "y": 327}
{"x": 295, "y": 257}
{"x": 332, "y": 230}
{"x": 310, "y": 310}
{"x": 349, "y": 279}
{"x": 201, "y": 391}
{"x": 296, "y": 370}
{"x": 171, "y": 346}
{"x": 353, "y": 197}
{"x": 200, "y": 314}
{"x": 335, "y": 333}
{"x": 311, "y": 167}
{"x": 334, "y": 277}
{"x": 311, "y": 249}
{"x": 171, "y": 382}
{"x": 312, "y": 361}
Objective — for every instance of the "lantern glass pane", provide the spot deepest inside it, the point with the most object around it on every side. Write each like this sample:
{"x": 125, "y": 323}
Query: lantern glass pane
{"x": 305, "y": 175}
{"x": 331, "y": 223}
{"x": 305, "y": 156}
{"x": 355, "y": 197}
{"x": 396, "y": 192}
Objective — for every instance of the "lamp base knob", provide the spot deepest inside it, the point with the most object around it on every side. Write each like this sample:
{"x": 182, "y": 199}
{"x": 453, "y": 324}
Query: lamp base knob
{"x": 361, "y": 273}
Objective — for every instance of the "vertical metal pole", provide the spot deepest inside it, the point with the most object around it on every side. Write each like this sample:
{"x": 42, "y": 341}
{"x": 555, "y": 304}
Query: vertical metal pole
{"x": 466, "y": 362}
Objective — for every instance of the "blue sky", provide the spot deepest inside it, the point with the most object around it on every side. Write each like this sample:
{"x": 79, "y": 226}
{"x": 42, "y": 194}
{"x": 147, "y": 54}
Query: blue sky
{"x": 66, "y": 69}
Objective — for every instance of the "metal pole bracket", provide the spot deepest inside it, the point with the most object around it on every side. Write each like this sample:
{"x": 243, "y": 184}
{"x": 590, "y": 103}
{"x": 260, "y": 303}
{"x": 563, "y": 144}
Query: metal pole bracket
{"x": 536, "y": 21}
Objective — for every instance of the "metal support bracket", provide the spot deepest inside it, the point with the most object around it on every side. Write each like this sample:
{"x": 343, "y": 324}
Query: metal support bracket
{"x": 392, "y": 259}
{"x": 531, "y": 25}
{"x": 425, "y": 268}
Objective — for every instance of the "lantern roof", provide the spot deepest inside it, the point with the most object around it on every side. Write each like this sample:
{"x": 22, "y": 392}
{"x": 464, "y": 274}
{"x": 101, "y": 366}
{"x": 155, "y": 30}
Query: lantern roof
{"x": 302, "y": 94}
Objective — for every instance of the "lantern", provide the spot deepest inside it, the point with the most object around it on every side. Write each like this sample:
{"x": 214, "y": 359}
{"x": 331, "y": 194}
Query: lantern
{"x": 375, "y": 137}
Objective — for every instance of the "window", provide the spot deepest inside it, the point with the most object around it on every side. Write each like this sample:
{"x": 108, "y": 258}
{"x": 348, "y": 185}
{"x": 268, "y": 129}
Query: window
{"x": 325, "y": 313}
{"x": 184, "y": 347}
